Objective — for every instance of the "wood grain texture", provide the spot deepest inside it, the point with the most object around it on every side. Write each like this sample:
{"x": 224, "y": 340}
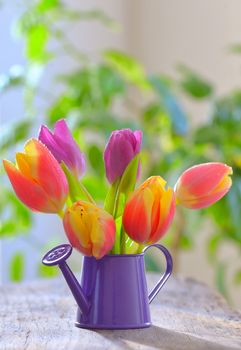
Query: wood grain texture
{"x": 186, "y": 315}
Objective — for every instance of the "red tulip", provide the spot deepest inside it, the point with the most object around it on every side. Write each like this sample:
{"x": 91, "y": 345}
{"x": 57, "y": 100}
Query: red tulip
{"x": 89, "y": 229}
{"x": 37, "y": 178}
{"x": 203, "y": 184}
{"x": 149, "y": 211}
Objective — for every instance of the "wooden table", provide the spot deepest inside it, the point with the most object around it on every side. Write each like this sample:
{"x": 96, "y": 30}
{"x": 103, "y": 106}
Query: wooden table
{"x": 186, "y": 315}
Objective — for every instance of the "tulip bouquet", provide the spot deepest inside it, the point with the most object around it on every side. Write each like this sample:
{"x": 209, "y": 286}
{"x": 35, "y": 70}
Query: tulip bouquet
{"x": 47, "y": 178}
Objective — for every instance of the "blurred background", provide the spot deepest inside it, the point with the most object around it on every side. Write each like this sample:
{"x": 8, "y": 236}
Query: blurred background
{"x": 172, "y": 69}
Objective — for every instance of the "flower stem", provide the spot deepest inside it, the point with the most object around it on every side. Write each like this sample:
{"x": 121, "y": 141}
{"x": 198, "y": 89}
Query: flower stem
{"x": 115, "y": 249}
{"x": 140, "y": 248}
{"x": 61, "y": 214}
{"x": 122, "y": 241}
{"x": 86, "y": 193}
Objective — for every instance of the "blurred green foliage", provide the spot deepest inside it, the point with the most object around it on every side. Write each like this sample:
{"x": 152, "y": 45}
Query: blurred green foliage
{"x": 17, "y": 267}
{"x": 97, "y": 98}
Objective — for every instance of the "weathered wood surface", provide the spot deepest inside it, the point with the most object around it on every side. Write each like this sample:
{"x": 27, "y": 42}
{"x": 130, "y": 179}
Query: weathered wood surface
{"x": 186, "y": 315}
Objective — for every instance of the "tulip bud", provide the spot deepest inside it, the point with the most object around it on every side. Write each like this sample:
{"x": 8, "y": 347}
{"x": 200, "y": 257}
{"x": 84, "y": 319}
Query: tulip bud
{"x": 149, "y": 211}
{"x": 121, "y": 148}
{"x": 90, "y": 229}
{"x": 37, "y": 179}
{"x": 62, "y": 145}
{"x": 203, "y": 184}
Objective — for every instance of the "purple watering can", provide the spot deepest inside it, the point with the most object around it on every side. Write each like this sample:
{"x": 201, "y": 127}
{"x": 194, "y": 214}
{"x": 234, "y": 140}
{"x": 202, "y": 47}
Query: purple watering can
{"x": 113, "y": 290}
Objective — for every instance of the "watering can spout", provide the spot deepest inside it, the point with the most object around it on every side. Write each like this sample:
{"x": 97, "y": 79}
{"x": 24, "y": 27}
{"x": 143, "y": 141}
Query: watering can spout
{"x": 58, "y": 256}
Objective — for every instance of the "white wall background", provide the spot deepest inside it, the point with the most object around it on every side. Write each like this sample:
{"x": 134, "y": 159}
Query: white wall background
{"x": 160, "y": 34}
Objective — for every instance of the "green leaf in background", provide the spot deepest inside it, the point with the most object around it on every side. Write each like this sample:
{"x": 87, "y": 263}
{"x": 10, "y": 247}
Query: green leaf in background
{"x": 235, "y": 48}
{"x": 173, "y": 108}
{"x": 152, "y": 113}
{"x": 12, "y": 133}
{"x": 94, "y": 86}
{"x": 131, "y": 70}
{"x": 110, "y": 84}
{"x": 152, "y": 264}
{"x": 186, "y": 242}
{"x": 221, "y": 279}
{"x": 8, "y": 228}
{"x": 15, "y": 218}
{"x": 96, "y": 185}
{"x": 237, "y": 277}
{"x": 47, "y": 272}
{"x": 95, "y": 157}
{"x": 90, "y": 92}
{"x": 17, "y": 267}
{"x": 213, "y": 245}
{"x": 37, "y": 39}
{"x": 62, "y": 106}
{"x": 193, "y": 84}
{"x": 14, "y": 78}
{"x": 46, "y": 5}
{"x": 234, "y": 200}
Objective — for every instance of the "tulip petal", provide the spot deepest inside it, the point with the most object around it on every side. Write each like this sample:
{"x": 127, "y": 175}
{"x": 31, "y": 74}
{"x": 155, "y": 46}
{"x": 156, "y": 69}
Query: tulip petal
{"x": 137, "y": 215}
{"x": 47, "y": 170}
{"x": 149, "y": 211}
{"x": 61, "y": 130}
{"x": 47, "y": 138}
{"x": 119, "y": 157}
{"x": 28, "y": 191}
{"x": 202, "y": 185}
{"x": 205, "y": 201}
{"x": 64, "y": 148}
{"x": 22, "y": 161}
{"x": 166, "y": 215}
{"x": 202, "y": 178}
{"x": 89, "y": 229}
{"x": 138, "y": 137}
{"x": 121, "y": 148}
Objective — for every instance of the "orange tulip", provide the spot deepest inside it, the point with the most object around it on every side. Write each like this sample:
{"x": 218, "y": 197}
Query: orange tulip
{"x": 37, "y": 178}
{"x": 89, "y": 229}
{"x": 149, "y": 211}
{"x": 203, "y": 184}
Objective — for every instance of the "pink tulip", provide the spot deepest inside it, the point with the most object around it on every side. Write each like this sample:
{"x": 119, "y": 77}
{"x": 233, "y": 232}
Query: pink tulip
{"x": 64, "y": 148}
{"x": 203, "y": 184}
{"x": 121, "y": 148}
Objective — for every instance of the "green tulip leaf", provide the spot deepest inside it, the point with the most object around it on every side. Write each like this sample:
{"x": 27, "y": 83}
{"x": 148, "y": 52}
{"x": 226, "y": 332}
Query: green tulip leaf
{"x": 77, "y": 191}
{"x": 111, "y": 197}
{"x": 128, "y": 179}
{"x": 121, "y": 188}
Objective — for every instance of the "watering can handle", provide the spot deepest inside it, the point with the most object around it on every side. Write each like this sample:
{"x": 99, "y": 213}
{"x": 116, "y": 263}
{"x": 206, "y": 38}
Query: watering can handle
{"x": 166, "y": 274}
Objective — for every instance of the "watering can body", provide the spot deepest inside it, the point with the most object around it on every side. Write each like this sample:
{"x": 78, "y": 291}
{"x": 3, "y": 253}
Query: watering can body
{"x": 113, "y": 291}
